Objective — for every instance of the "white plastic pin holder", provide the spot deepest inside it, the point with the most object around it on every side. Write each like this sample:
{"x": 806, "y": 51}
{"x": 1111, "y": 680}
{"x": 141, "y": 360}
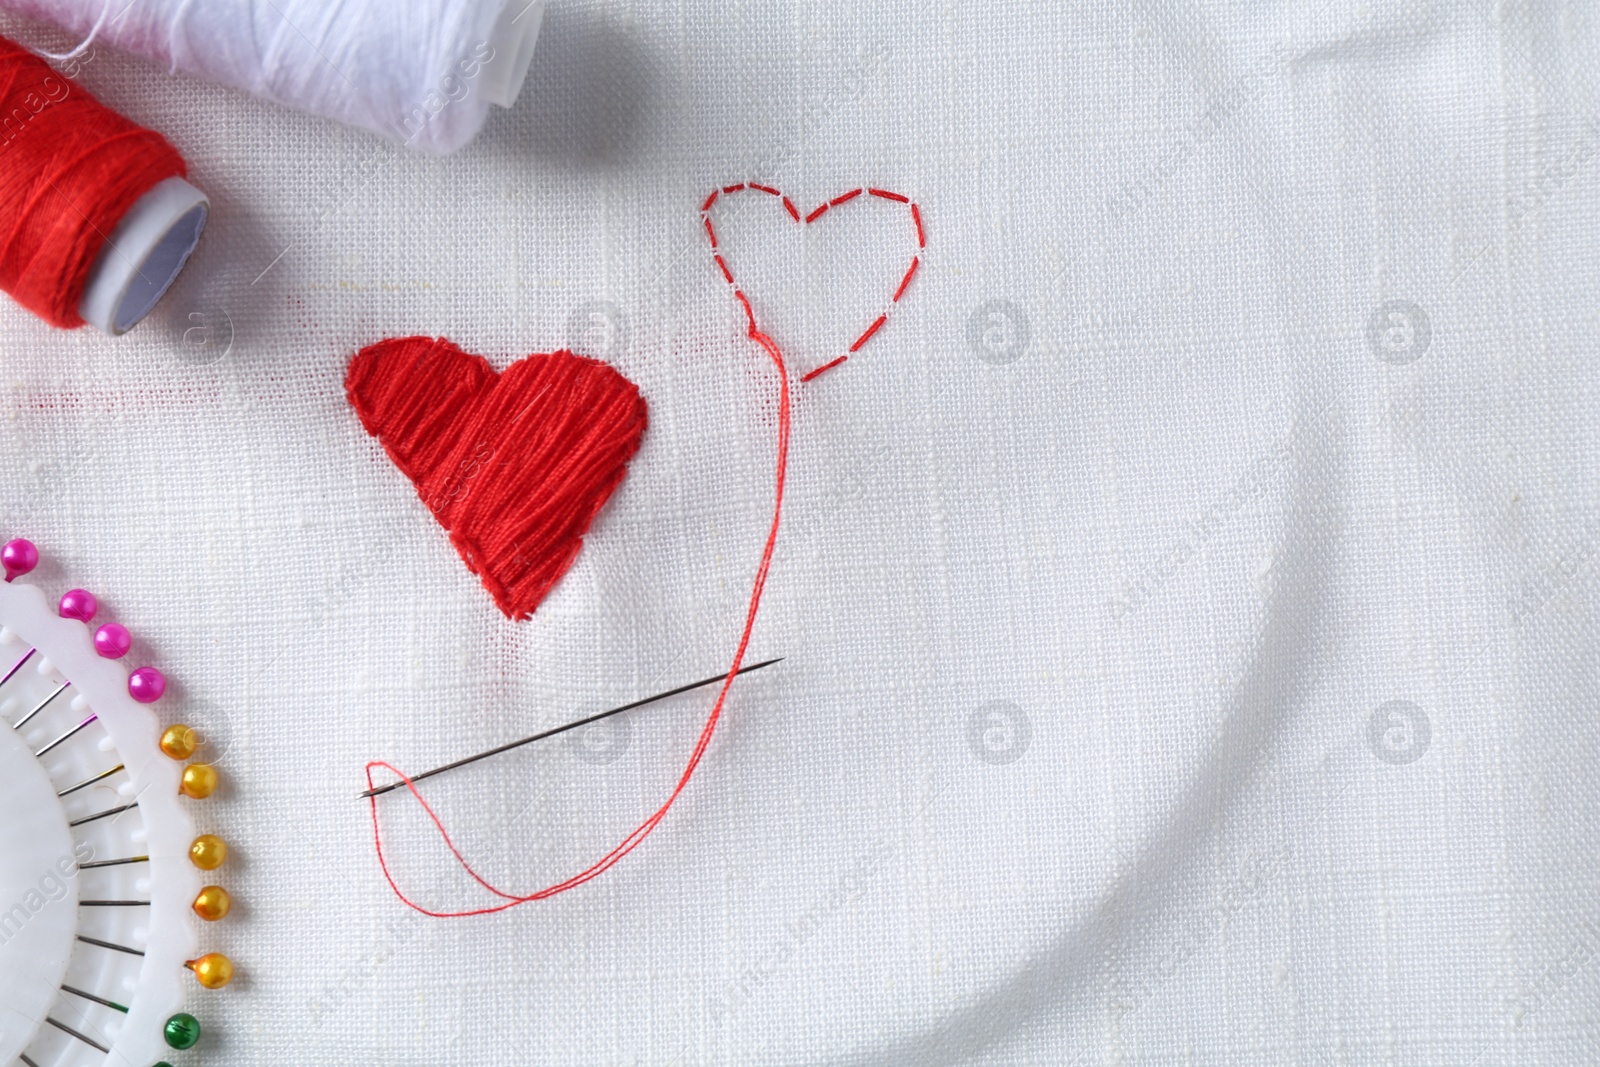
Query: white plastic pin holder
{"x": 99, "y": 888}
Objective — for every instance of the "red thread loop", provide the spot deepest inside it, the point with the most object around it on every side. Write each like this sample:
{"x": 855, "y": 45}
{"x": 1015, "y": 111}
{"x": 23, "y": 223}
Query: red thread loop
{"x": 644, "y": 829}
{"x": 70, "y": 168}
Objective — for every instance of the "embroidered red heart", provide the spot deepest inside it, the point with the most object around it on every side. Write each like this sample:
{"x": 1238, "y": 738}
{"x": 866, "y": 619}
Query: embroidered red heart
{"x": 515, "y": 465}
{"x": 806, "y": 220}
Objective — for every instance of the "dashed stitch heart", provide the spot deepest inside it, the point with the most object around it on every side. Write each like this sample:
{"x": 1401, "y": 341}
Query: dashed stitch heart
{"x": 806, "y": 220}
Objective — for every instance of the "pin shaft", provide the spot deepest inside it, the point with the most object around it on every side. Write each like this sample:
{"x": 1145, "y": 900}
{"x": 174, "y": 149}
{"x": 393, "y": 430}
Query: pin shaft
{"x": 107, "y": 944}
{"x": 99, "y": 864}
{"x": 20, "y": 723}
{"x": 380, "y": 790}
{"x": 66, "y": 736}
{"x": 64, "y": 1028}
{"x": 90, "y": 996}
{"x": 18, "y": 666}
{"x": 102, "y": 776}
{"x": 108, "y": 813}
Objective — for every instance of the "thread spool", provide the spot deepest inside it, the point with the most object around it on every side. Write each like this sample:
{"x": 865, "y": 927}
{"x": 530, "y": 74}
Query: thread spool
{"x": 424, "y": 73}
{"x": 96, "y": 217}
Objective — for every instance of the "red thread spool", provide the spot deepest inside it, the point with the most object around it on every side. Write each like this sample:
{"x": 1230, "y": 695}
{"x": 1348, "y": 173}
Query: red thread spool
{"x": 96, "y": 219}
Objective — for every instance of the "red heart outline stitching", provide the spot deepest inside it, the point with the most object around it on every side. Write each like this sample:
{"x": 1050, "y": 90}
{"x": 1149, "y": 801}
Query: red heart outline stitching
{"x": 806, "y": 220}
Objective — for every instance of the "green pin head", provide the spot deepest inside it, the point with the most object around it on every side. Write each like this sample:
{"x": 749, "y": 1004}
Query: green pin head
{"x": 182, "y": 1031}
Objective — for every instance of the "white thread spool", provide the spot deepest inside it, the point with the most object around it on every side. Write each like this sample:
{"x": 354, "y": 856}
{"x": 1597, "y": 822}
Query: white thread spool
{"x": 423, "y": 72}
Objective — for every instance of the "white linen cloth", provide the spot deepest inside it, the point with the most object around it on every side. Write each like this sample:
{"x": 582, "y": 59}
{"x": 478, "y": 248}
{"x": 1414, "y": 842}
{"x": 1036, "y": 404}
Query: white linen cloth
{"x": 1188, "y": 598}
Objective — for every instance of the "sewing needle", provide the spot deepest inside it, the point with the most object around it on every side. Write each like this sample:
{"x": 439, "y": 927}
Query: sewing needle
{"x": 380, "y": 790}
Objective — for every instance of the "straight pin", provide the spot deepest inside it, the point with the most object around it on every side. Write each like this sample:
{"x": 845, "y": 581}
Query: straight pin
{"x": 66, "y": 735}
{"x": 113, "y": 863}
{"x": 103, "y": 815}
{"x": 26, "y": 657}
{"x": 113, "y": 903}
{"x": 110, "y": 945}
{"x": 87, "y": 782}
{"x": 380, "y": 790}
{"x": 98, "y": 1000}
{"x": 64, "y": 1028}
{"x": 41, "y": 706}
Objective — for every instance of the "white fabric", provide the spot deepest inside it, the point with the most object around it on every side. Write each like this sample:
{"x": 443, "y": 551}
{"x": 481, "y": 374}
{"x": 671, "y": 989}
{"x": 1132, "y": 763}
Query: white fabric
{"x": 1180, "y": 556}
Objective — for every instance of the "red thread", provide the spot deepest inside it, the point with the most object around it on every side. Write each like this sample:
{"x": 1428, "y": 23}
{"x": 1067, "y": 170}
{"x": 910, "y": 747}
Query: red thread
{"x": 515, "y": 465}
{"x": 632, "y": 841}
{"x": 749, "y": 313}
{"x": 823, "y": 208}
{"x": 629, "y": 843}
{"x": 70, "y": 168}
{"x": 906, "y": 281}
{"x": 867, "y": 336}
{"x": 810, "y": 374}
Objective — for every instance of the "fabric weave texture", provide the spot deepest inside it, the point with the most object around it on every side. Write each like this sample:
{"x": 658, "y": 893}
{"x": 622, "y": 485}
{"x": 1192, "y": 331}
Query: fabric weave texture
{"x": 1189, "y": 596}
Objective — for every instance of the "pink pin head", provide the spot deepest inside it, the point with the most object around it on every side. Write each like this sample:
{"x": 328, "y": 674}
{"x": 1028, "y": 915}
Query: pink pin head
{"x": 18, "y": 557}
{"x": 146, "y": 685}
{"x": 113, "y": 640}
{"x": 79, "y": 604}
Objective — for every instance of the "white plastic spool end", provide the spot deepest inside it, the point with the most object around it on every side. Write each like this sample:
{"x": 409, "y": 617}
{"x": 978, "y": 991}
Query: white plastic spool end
{"x": 513, "y": 39}
{"x": 144, "y": 256}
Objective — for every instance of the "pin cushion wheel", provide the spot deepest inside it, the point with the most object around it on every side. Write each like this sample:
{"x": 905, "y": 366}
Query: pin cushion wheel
{"x": 103, "y": 881}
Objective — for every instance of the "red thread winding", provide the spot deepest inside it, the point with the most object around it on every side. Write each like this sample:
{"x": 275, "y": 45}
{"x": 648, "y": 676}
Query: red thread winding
{"x": 70, "y": 168}
{"x": 821, "y": 210}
